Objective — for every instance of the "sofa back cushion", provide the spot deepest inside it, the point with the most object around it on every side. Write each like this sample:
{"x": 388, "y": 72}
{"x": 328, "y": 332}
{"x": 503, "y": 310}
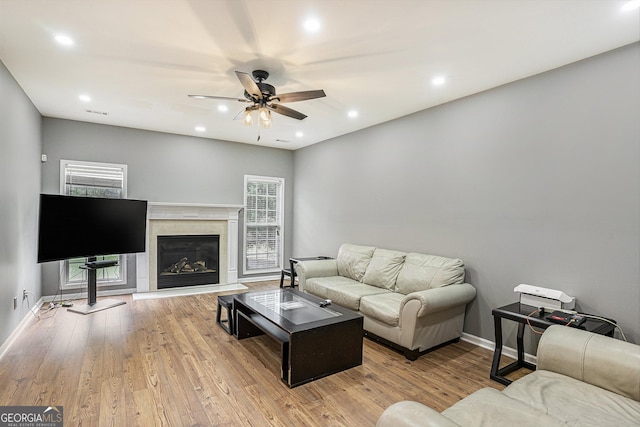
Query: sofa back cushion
{"x": 421, "y": 272}
{"x": 384, "y": 268}
{"x": 353, "y": 260}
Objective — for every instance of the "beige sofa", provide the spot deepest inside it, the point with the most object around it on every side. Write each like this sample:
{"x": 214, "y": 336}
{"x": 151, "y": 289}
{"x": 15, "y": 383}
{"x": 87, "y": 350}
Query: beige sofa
{"x": 582, "y": 379}
{"x": 410, "y": 301}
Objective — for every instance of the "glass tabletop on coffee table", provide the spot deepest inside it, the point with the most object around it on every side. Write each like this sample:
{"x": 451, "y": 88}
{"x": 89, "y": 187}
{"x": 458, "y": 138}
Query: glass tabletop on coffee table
{"x": 292, "y": 309}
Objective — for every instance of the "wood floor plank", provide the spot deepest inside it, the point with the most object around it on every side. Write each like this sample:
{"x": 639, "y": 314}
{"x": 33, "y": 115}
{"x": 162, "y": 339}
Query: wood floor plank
{"x": 165, "y": 362}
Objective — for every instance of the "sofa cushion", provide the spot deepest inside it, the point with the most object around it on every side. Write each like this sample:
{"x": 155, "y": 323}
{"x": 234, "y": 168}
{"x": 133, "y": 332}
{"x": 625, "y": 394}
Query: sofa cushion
{"x": 353, "y": 260}
{"x": 574, "y": 402}
{"x": 349, "y": 296}
{"x": 320, "y": 285}
{"x": 421, "y": 272}
{"x": 383, "y": 268}
{"x": 488, "y": 407}
{"x": 383, "y": 307}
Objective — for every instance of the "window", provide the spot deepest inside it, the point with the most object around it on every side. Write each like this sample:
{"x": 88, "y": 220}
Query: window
{"x": 90, "y": 179}
{"x": 263, "y": 224}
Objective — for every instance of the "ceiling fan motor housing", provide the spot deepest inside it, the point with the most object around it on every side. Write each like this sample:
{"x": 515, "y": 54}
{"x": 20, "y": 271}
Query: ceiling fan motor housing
{"x": 268, "y": 91}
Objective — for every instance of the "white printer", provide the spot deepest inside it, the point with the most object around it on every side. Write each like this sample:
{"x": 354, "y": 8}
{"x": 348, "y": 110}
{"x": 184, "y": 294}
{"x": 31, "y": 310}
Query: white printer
{"x": 537, "y": 296}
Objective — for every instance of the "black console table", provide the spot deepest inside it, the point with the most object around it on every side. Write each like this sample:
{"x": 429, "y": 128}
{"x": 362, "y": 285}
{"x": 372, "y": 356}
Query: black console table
{"x": 520, "y": 313}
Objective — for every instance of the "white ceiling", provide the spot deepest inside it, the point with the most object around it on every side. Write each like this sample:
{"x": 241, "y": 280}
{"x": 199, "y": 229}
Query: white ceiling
{"x": 139, "y": 59}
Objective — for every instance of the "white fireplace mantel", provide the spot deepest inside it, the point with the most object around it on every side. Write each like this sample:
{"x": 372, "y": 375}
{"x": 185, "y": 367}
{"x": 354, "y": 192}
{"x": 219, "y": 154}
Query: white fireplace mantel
{"x": 157, "y": 211}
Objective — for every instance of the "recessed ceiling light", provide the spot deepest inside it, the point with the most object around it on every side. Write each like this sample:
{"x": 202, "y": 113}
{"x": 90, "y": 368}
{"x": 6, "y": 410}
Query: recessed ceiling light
{"x": 312, "y": 25}
{"x": 84, "y": 98}
{"x": 223, "y": 108}
{"x": 438, "y": 81}
{"x": 299, "y": 134}
{"x": 64, "y": 40}
{"x": 201, "y": 128}
{"x": 352, "y": 114}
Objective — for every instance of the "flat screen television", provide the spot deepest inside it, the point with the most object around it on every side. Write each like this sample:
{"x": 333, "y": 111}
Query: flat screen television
{"x": 75, "y": 227}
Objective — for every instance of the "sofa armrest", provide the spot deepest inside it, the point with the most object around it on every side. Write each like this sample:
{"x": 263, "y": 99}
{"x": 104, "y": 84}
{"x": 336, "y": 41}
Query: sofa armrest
{"x": 595, "y": 359}
{"x": 315, "y": 268}
{"x": 439, "y": 299}
{"x": 412, "y": 414}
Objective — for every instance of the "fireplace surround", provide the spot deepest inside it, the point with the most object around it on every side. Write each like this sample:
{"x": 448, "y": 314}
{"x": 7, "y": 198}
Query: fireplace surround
{"x": 166, "y": 219}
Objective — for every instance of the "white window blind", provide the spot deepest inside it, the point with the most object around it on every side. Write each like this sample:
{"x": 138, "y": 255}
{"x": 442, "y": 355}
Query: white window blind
{"x": 94, "y": 180}
{"x": 263, "y": 224}
{"x": 90, "y": 179}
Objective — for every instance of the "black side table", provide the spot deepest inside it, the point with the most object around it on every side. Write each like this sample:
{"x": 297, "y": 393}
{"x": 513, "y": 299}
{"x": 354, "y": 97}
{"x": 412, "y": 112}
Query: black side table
{"x": 519, "y": 313}
{"x": 292, "y": 271}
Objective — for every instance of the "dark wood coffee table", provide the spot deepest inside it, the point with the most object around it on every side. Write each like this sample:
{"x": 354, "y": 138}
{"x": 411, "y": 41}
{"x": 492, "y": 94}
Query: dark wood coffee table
{"x": 315, "y": 341}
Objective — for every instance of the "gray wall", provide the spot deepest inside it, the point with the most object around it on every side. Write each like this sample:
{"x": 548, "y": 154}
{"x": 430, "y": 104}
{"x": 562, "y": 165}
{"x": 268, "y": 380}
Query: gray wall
{"x": 163, "y": 168}
{"x": 19, "y": 188}
{"x": 533, "y": 182}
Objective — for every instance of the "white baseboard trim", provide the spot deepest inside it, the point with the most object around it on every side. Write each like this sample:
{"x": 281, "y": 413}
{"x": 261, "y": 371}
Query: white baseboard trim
{"x": 258, "y": 279}
{"x": 490, "y": 345}
{"x": 29, "y": 317}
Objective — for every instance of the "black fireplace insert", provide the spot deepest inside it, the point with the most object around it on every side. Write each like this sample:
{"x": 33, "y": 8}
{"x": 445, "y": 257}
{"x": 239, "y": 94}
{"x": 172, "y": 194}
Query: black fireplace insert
{"x": 188, "y": 260}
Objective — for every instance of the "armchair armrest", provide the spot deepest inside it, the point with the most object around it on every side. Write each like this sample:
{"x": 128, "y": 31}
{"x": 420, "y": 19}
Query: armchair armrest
{"x": 595, "y": 359}
{"x": 438, "y": 299}
{"x": 412, "y": 414}
{"x": 316, "y": 268}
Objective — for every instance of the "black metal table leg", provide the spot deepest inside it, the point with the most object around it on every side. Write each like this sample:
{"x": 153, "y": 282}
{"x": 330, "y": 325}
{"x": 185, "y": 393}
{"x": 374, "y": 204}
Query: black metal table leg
{"x": 497, "y": 354}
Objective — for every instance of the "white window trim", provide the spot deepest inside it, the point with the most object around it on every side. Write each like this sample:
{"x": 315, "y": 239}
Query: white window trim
{"x": 278, "y": 268}
{"x": 64, "y": 280}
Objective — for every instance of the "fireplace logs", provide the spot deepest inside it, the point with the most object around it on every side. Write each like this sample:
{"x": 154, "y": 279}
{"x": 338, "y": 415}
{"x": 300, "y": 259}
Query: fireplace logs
{"x": 186, "y": 266}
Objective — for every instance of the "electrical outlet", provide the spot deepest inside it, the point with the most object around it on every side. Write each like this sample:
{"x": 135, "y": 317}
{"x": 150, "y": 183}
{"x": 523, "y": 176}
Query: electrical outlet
{"x": 15, "y": 302}
{"x": 24, "y": 294}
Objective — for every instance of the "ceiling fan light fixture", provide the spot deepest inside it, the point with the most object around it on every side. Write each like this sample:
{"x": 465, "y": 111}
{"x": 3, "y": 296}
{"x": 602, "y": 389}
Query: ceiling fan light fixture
{"x": 264, "y": 117}
{"x": 247, "y": 120}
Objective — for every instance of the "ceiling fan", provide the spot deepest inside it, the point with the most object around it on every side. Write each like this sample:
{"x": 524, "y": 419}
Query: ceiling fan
{"x": 264, "y": 98}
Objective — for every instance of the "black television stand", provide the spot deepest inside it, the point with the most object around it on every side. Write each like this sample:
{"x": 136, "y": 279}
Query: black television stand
{"x": 92, "y": 265}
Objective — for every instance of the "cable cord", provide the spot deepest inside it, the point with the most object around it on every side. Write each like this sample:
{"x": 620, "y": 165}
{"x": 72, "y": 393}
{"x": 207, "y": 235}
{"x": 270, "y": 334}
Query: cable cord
{"x": 590, "y": 316}
{"x": 604, "y": 319}
{"x": 27, "y": 293}
{"x": 529, "y": 323}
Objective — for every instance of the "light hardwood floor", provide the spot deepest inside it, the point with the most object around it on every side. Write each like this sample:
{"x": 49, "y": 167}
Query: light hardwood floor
{"x": 165, "y": 362}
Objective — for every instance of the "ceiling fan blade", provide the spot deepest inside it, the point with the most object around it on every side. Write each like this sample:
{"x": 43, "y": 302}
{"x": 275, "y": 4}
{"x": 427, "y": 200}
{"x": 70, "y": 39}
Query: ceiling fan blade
{"x": 300, "y": 96}
{"x": 249, "y": 84}
{"x": 286, "y": 111}
{"x": 226, "y": 98}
